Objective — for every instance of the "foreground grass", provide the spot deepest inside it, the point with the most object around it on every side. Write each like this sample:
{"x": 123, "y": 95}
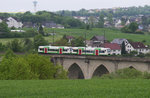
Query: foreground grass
{"x": 95, "y": 88}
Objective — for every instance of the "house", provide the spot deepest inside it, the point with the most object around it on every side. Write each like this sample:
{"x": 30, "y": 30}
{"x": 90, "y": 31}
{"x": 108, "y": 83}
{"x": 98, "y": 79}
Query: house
{"x": 69, "y": 38}
{"x": 132, "y": 46}
{"x": 97, "y": 41}
{"x": 118, "y": 24}
{"x": 29, "y": 24}
{"x": 89, "y": 43}
{"x": 52, "y": 25}
{"x": 1, "y": 20}
{"x": 14, "y": 23}
{"x": 119, "y": 41}
{"x": 139, "y": 47}
{"x": 127, "y": 23}
{"x": 115, "y": 48}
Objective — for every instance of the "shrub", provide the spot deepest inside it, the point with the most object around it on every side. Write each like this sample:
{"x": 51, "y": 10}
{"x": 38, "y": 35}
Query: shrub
{"x": 30, "y": 66}
{"x": 126, "y": 73}
{"x": 146, "y": 75}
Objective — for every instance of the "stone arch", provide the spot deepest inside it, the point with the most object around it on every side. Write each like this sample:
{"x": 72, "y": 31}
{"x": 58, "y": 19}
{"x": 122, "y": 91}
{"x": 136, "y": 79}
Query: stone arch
{"x": 100, "y": 70}
{"x": 131, "y": 67}
{"x": 75, "y": 72}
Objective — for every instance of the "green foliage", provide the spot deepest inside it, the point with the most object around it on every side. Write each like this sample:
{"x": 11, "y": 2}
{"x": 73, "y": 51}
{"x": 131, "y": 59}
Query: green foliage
{"x": 127, "y": 73}
{"x": 40, "y": 66}
{"x": 15, "y": 45}
{"x": 123, "y": 48}
{"x": 62, "y": 42}
{"x": 30, "y": 66}
{"x": 4, "y": 27}
{"x": 39, "y": 41}
{"x": 2, "y": 47}
{"x": 60, "y": 73}
{"x": 101, "y": 21}
{"x": 9, "y": 54}
{"x": 133, "y": 27}
{"x": 41, "y": 31}
{"x": 28, "y": 44}
{"x": 146, "y": 75}
{"x": 78, "y": 42}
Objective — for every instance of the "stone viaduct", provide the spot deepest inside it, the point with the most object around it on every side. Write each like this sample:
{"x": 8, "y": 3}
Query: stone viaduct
{"x": 86, "y": 67}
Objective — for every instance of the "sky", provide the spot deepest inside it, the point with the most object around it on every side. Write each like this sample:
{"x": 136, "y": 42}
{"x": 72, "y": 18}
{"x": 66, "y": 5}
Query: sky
{"x": 55, "y": 5}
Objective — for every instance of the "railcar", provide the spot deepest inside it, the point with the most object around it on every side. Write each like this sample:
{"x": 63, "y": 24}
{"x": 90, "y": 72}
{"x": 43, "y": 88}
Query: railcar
{"x": 74, "y": 50}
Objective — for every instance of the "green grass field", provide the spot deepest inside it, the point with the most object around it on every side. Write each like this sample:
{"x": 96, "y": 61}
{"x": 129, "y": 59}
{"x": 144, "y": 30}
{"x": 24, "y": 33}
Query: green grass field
{"x": 95, "y": 88}
{"x": 110, "y": 34}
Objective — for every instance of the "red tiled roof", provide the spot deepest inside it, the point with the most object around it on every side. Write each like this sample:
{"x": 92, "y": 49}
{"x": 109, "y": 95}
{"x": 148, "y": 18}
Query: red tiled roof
{"x": 137, "y": 45}
{"x": 69, "y": 37}
{"x": 112, "y": 46}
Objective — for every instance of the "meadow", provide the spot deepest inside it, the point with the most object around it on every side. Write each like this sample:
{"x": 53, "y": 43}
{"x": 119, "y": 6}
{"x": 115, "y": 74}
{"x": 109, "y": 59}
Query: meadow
{"x": 109, "y": 33}
{"x": 94, "y": 88}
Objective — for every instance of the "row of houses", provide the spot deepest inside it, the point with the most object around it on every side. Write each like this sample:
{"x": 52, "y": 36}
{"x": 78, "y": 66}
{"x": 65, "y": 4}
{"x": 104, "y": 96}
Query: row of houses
{"x": 116, "y": 22}
{"x": 116, "y": 44}
{"x": 12, "y": 22}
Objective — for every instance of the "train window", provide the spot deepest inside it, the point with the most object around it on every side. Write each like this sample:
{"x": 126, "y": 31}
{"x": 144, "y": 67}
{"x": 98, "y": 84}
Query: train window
{"x": 88, "y": 51}
{"x": 41, "y": 49}
{"x": 102, "y": 51}
{"x": 75, "y": 50}
{"x": 65, "y": 49}
{"x": 52, "y": 49}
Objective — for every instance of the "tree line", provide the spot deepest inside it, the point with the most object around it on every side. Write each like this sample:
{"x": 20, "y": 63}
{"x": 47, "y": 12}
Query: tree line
{"x": 44, "y": 16}
{"x": 118, "y": 12}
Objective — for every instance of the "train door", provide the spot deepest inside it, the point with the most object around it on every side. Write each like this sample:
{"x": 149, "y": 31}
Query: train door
{"x": 45, "y": 50}
{"x": 80, "y": 51}
{"x": 60, "y": 51}
{"x": 96, "y": 52}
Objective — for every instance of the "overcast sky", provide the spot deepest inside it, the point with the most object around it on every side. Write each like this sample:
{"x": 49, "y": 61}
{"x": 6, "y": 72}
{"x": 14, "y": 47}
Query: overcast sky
{"x": 55, "y": 5}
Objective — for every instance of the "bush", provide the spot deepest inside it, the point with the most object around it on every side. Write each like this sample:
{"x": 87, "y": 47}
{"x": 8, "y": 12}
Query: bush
{"x": 126, "y": 73}
{"x": 30, "y": 66}
{"x": 146, "y": 75}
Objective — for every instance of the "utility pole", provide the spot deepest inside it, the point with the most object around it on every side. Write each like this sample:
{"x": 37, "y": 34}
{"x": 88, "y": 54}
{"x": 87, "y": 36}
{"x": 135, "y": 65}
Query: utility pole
{"x": 85, "y": 43}
{"x": 86, "y": 60}
{"x": 104, "y": 36}
{"x": 53, "y": 37}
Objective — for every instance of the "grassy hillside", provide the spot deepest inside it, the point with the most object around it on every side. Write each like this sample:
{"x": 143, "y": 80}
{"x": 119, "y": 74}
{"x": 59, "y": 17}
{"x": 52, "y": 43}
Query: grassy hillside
{"x": 110, "y": 34}
{"x": 95, "y": 88}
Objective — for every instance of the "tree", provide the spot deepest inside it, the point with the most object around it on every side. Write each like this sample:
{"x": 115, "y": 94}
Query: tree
{"x": 78, "y": 42}
{"x": 28, "y": 44}
{"x": 62, "y": 42}
{"x": 30, "y": 66}
{"x": 101, "y": 21}
{"x": 123, "y": 48}
{"x": 110, "y": 19}
{"x": 39, "y": 41}
{"x": 2, "y": 47}
{"x": 41, "y": 31}
{"x": 4, "y": 27}
{"x": 133, "y": 27}
{"x": 15, "y": 45}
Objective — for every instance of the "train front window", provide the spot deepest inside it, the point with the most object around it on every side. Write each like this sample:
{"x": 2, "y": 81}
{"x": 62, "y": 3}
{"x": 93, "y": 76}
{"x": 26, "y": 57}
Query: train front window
{"x": 41, "y": 49}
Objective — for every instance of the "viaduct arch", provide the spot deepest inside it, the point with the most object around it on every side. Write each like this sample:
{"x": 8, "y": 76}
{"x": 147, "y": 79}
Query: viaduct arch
{"x": 86, "y": 67}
